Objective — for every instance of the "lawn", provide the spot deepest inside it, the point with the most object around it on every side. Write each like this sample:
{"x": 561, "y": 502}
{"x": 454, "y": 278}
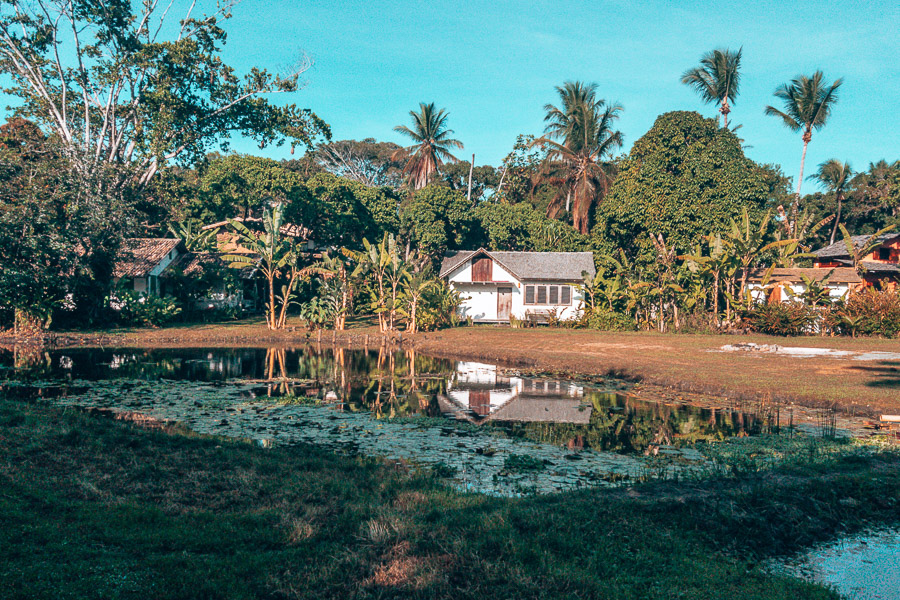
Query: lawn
{"x": 96, "y": 508}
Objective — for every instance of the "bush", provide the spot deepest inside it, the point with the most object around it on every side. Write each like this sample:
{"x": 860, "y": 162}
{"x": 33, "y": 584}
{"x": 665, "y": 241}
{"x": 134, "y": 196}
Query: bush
{"x": 139, "y": 309}
{"x": 607, "y": 320}
{"x": 869, "y": 312}
{"x": 782, "y": 318}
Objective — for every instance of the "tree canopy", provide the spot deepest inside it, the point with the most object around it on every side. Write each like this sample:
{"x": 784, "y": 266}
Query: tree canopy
{"x": 118, "y": 85}
{"x": 436, "y": 219}
{"x": 685, "y": 178}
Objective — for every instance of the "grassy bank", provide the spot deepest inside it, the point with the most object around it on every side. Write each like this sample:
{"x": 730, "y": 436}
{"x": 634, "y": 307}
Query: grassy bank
{"x": 95, "y": 508}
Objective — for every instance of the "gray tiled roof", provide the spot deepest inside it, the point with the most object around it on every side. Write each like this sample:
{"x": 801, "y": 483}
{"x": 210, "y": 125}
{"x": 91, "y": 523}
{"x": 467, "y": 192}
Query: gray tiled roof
{"x": 839, "y": 248}
{"x": 880, "y": 267}
{"x": 530, "y": 266}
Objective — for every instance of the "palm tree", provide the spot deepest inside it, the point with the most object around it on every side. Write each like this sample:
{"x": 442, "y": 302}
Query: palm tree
{"x": 577, "y": 164}
{"x": 834, "y": 175}
{"x": 717, "y": 78}
{"x": 807, "y": 105}
{"x": 432, "y": 144}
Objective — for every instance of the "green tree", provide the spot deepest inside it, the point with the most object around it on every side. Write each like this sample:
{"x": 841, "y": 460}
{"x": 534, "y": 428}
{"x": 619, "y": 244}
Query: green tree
{"x": 60, "y": 229}
{"x": 341, "y": 212}
{"x": 522, "y": 227}
{"x": 684, "y": 179}
{"x": 577, "y": 164}
{"x": 834, "y": 175}
{"x": 432, "y": 145}
{"x": 717, "y": 79}
{"x": 436, "y": 219}
{"x": 808, "y": 102}
{"x": 239, "y": 185}
{"x": 367, "y": 161}
{"x": 117, "y": 84}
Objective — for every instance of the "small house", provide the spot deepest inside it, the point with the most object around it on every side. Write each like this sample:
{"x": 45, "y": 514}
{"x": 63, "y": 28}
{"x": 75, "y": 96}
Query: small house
{"x": 204, "y": 276}
{"x": 140, "y": 262}
{"x": 783, "y": 285}
{"x": 880, "y": 266}
{"x": 498, "y": 285}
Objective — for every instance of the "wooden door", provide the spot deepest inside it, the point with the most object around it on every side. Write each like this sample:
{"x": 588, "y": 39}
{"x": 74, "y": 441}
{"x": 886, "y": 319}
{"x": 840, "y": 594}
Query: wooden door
{"x": 504, "y": 303}
{"x": 482, "y": 269}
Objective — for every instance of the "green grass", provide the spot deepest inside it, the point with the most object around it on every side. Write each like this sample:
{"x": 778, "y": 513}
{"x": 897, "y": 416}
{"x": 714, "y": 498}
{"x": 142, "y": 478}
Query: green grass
{"x": 94, "y": 508}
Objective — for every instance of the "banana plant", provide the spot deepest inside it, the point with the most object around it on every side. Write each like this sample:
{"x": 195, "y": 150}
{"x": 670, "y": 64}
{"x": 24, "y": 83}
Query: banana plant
{"x": 275, "y": 255}
{"x": 748, "y": 243}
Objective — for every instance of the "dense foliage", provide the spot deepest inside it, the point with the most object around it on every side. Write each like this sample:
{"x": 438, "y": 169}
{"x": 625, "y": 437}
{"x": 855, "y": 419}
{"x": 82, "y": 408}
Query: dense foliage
{"x": 684, "y": 179}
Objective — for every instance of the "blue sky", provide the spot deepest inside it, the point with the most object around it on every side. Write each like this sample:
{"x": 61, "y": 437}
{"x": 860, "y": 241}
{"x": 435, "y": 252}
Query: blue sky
{"x": 493, "y": 65}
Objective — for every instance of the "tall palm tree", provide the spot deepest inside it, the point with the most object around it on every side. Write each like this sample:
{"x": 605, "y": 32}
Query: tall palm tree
{"x": 717, "y": 78}
{"x": 432, "y": 144}
{"x": 807, "y": 105}
{"x": 834, "y": 176}
{"x": 578, "y": 164}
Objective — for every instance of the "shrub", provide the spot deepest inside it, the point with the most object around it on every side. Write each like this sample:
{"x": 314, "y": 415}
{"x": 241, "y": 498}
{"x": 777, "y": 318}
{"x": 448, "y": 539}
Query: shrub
{"x": 869, "y": 312}
{"x": 607, "y": 320}
{"x": 139, "y": 309}
{"x": 782, "y": 318}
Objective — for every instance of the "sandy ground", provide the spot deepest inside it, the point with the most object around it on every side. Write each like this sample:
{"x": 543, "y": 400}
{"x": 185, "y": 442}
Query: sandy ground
{"x": 665, "y": 365}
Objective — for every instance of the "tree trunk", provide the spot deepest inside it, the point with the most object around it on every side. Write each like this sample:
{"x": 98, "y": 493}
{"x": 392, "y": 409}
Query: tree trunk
{"x": 471, "y": 168}
{"x": 716, "y": 297}
{"x": 270, "y": 318}
{"x": 837, "y": 217}
{"x": 807, "y": 136}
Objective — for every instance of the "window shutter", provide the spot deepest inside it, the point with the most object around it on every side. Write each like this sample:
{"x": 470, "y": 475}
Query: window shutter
{"x": 542, "y": 294}
{"x": 566, "y": 294}
{"x": 529, "y": 294}
{"x": 554, "y": 294}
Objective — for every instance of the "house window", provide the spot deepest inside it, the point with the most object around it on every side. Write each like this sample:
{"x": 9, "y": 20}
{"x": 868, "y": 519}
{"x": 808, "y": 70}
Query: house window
{"x": 559, "y": 295}
{"x": 884, "y": 254}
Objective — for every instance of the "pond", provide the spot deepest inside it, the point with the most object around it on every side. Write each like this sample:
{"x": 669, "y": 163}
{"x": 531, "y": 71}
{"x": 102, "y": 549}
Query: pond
{"x": 861, "y": 567}
{"x": 487, "y": 428}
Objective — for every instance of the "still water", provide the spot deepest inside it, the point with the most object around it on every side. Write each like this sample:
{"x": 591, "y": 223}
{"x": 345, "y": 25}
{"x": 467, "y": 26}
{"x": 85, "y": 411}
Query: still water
{"x": 488, "y": 428}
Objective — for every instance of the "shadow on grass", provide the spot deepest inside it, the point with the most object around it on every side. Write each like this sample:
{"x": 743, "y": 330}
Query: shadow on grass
{"x": 885, "y": 374}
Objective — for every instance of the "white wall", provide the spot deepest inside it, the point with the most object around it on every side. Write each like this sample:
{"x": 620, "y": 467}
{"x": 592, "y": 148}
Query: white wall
{"x": 481, "y": 299}
{"x": 760, "y": 293}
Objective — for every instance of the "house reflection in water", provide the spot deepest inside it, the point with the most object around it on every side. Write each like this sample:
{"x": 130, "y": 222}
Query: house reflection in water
{"x": 477, "y": 392}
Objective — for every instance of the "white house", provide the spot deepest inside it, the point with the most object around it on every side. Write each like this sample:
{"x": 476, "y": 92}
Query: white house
{"x": 526, "y": 285}
{"x": 783, "y": 285}
{"x": 141, "y": 261}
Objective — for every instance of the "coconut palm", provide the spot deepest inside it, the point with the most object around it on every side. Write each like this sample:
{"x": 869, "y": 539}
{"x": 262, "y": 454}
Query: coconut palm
{"x": 432, "y": 144}
{"x": 578, "y": 164}
{"x": 807, "y": 105}
{"x": 834, "y": 176}
{"x": 717, "y": 78}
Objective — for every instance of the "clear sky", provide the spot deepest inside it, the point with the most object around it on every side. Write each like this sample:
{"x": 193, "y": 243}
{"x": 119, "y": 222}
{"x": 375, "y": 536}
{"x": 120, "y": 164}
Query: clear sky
{"x": 494, "y": 64}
